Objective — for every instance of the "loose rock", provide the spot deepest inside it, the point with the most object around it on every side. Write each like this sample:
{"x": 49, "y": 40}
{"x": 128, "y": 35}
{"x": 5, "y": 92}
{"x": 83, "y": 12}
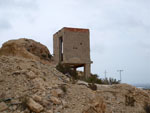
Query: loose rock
{"x": 3, "y": 106}
{"x": 55, "y": 100}
{"x": 34, "y": 106}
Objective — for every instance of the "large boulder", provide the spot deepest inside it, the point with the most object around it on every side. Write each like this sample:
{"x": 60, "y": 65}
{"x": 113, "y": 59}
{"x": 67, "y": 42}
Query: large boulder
{"x": 26, "y": 48}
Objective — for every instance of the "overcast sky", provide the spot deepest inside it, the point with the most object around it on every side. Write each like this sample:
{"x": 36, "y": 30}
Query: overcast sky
{"x": 119, "y": 30}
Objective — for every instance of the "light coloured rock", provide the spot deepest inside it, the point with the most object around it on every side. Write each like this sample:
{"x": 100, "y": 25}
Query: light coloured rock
{"x": 99, "y": 86}
{"x": 57, "y": 92}
{"x": 26, "y": 111}
{"x": 15, "y": 102}
{"x": 17, "y": 111}
{"x": 14, "y": 107}
{"x": 49, "y": 111}
{"x": 37, "y": 98}
{"x": 31, "y": 75}
{"x": 3, "y": 106}
{"x": 55, "y": 100}
{"x": 65, "y": 104}
{"x": 34, "y": 106}
{"x": 97, "y": 106}
{"x": 79, "y": 82}
{"x": 39, "y": 83}
{"x": 45, "y": 103}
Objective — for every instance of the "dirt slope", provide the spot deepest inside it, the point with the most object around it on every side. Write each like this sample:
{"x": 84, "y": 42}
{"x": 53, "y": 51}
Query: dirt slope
{"x": 23, "y": 81}
{"x": 28, "y": 85}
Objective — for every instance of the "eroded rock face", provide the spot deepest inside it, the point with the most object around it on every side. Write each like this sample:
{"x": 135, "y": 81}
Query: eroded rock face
{"x": 26, "y": 48}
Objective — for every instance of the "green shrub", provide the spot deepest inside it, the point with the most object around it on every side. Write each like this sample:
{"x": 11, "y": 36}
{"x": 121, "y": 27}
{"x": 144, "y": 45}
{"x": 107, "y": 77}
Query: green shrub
{"x": 110, "y": 81}
{"x": 94, "y": 79}
{"x": 63, "y": 88}
{"x": 92, "y": 86}
{"x": 44, "y": 56}
{"x": 129, "y": 101}
{"x": 147, "y": 108}
{"x": 66, "y": 69}
{"x": 23, "y": 100}
{"x": 49, "y": 56}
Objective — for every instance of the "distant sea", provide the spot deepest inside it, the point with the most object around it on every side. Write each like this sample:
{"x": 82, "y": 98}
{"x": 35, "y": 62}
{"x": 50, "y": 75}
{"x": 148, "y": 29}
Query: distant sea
{"x": 142, "y": 86}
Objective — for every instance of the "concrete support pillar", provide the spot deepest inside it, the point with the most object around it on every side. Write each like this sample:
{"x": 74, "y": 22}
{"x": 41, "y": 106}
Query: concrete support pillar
{"x": 75, "y": 69}
{"x": 87, "y": 70}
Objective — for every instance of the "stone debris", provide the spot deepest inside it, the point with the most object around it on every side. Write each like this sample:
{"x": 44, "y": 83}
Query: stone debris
{"x": 34, "y": 106}
{"x": 49, "y": 111}
{"x": 37, "y": 98}
{"x": 79, "y": 82}
{"x": 55, "y": 100}
{"x": 57, "y": 92}
{"x": 31, "y": 75}
{"x": 3, "y": 106}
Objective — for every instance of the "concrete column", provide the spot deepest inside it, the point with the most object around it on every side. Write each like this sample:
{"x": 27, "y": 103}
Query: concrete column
{"x": 75, "y": 69}
{"x": 56, "y": 49}
{"x": 87, "y": 70}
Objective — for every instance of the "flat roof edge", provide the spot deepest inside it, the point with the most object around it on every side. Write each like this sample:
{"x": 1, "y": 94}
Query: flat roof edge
{"x": 76, "y": 29}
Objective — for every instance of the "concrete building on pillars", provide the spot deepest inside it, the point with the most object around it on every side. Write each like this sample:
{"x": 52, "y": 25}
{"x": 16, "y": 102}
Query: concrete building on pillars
{"x": 72, "y": 47}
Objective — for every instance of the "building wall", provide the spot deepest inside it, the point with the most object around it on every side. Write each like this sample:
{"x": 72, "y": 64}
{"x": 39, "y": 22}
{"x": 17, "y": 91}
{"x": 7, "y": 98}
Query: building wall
{"x": 76, "y": 48}
{"x": 76, "y": 45}
{"x": 56, "y": 45}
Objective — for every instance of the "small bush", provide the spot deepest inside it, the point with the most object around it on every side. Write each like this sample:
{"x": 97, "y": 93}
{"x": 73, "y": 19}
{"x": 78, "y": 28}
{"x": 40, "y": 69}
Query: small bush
{"x": 49, "y": 56}
{"x": 94, "y": 79}
{"x": 63, "y": 88}
{"x": 23, "y": 100}
{"x": 44, "y": 56}
{"x": 66, "y": 69}
{"x": 129, "y": 101}
{"x": 110, "y": 81}
{"x": 92, "y": 86}
{"x": 147, "y": 108}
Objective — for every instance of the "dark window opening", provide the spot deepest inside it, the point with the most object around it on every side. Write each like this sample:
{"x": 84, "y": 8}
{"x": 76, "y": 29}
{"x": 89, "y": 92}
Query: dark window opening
{"x": 61, "y": 48}
{"x": 81, "y": 43}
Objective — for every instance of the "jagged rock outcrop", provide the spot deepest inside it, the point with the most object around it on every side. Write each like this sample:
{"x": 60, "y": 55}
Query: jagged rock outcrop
{"x": 26, "y": 48}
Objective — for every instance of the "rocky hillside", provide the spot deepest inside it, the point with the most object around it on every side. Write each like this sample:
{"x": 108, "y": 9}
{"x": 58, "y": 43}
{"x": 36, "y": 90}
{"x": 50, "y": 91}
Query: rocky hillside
{"x": 27, "y": 85}
{"x": 26, "y": 48}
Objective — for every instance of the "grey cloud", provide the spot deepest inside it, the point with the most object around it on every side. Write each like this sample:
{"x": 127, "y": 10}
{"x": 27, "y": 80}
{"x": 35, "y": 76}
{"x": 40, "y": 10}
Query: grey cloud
{"x": 11, "y": 10}
{"x": 4, "y": 24}
{"x": 24, "y": 4}
{"x": 145, "y": 47}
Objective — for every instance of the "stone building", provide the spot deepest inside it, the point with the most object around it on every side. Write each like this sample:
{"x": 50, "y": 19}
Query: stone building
{"x": 72, "y": 47}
